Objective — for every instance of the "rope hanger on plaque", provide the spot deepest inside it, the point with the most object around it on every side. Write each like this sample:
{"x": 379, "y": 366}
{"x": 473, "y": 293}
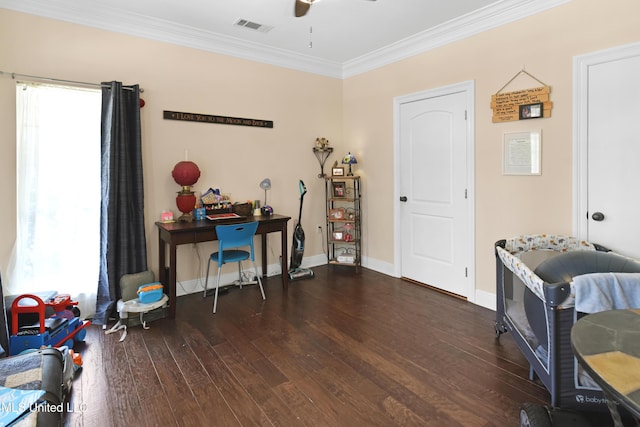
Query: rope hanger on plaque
{"x": 522, "y": 104}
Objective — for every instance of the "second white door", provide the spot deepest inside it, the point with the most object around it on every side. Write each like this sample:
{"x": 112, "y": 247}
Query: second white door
{"x": 609, "y": 205}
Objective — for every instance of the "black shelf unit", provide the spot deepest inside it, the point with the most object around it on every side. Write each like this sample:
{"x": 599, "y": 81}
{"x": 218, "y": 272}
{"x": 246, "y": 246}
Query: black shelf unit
{"x": 343, "y": 220}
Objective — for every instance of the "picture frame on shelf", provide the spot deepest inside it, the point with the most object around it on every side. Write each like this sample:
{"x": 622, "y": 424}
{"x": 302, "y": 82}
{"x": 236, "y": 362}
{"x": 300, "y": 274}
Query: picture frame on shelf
{"x": 337, "y": 235}
{"x": 337, "y": 171}
{"x": 337, "y": 213}
{"x": 350, "y": 214}
{"x": 339, "y": 189}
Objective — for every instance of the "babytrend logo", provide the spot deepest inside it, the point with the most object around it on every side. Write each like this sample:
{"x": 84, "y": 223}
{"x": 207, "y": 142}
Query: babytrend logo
{"x": 579, "y": 398}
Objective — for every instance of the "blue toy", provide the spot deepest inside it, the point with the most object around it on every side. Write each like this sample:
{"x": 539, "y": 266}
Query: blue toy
{"x": 60, "y": 329}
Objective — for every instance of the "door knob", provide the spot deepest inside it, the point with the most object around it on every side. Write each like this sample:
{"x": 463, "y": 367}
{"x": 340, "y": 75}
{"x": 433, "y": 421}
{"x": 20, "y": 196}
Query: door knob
{"x": 597, "y": 216}
{"x": 403, "y": 198}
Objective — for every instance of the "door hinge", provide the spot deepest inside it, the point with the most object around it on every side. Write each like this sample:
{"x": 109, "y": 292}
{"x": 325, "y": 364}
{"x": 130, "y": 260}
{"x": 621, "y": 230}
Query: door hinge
{"x": 466, "y": 272}
{"x": 465, "y": 193}
{"x": 465, "y": 114}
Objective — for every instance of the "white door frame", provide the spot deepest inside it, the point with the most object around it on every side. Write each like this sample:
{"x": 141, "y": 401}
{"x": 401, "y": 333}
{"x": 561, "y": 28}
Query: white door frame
{"x": 468, "y": 88}
{"x": 581, "y": 66}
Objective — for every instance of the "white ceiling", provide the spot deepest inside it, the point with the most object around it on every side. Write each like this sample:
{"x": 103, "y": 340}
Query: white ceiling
{"x": 337, "y": 38}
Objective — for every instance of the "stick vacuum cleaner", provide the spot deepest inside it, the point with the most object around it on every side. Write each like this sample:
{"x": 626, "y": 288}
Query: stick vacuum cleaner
{"x": 297, "y": 247}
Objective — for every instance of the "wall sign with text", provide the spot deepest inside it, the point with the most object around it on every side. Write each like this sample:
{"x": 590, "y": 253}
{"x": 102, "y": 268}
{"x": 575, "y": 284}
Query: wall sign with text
{"x": 220, "y": 120}
{"x": 521, "y": 105}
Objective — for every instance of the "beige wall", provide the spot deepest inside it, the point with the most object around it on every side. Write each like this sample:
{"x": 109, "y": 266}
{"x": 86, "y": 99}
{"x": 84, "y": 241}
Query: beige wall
{"x": 355, "y": 114}
{"x": 545, "y": 45}
{"x": 303, "y": 106}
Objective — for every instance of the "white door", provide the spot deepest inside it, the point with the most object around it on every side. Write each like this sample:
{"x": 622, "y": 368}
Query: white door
{"x": 434, "y": 208}
{"x": 611, "y": 143}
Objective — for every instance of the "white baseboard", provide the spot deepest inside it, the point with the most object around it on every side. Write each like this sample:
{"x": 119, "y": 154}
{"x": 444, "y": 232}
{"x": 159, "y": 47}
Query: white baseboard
{"x": 486, "y": 299}
{"x": 192, "y": 286}
{"x": 482, "y": 298}
{"x": 314, "y": 261}
{"x": 379, "y": 266}
{"x": 197, "y": 285}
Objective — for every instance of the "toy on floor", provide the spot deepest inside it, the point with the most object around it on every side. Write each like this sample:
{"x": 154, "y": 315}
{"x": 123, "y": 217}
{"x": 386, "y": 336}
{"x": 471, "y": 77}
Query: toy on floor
{"x": 62, "y": 328}
{"x": 77, "y": 360}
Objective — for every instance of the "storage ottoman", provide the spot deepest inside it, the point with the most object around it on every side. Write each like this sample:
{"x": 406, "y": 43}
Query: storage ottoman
{"x": 40, "y": 370}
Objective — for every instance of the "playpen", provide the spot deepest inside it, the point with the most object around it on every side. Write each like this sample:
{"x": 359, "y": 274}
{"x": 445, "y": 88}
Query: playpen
{"x": 544, "y": 284}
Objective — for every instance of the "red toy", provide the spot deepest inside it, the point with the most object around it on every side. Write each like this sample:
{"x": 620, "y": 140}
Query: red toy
{"x": 63, "y": 328}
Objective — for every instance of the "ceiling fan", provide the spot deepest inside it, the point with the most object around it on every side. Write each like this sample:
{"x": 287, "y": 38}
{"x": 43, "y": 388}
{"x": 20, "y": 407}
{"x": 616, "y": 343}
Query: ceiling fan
{"x": 302, "y": 7}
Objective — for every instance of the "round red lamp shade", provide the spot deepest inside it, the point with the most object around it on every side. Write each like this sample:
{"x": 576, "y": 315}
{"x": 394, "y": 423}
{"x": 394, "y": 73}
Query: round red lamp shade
{"x": 186, "y": 173}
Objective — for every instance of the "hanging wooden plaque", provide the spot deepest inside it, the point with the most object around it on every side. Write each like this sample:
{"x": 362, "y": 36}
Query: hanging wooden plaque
{"x": 521, "y": 105}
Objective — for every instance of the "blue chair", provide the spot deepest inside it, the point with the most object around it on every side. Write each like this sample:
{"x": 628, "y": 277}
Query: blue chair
{"x": 230, "y": 238}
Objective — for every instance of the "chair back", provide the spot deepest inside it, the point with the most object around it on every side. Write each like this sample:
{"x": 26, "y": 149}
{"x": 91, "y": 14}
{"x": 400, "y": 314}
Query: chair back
{"x": 236, "y": 235}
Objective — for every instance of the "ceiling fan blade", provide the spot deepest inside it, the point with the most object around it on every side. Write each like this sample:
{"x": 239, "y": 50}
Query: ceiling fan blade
{"x": 301, "y": 8}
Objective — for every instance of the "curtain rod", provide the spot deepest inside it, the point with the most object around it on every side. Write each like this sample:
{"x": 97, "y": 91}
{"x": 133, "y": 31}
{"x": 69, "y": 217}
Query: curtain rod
{"x": 50, "y": 79}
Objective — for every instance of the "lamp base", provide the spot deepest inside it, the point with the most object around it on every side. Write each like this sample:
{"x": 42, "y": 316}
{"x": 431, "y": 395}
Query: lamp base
{"x": 185, "y": 218}
{"x": 186, "y": 202}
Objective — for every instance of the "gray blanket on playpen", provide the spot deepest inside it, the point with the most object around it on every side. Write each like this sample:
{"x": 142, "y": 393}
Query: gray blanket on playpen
{"x": 606, "y": 291}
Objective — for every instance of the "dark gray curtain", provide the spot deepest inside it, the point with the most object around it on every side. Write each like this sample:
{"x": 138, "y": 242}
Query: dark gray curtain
{"x": 123, "y": 247}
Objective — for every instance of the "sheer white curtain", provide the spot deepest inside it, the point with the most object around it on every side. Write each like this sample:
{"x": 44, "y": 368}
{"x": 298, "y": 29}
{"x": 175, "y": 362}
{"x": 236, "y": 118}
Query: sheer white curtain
{"x": 58, "y": 193}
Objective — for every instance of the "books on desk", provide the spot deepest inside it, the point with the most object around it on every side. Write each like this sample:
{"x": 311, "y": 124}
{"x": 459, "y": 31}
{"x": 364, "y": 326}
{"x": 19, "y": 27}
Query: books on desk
{"x": 225, "y": 215}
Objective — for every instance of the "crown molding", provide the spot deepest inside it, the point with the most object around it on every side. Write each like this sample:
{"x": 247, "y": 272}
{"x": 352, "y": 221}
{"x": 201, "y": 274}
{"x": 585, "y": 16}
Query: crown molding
{"x": 169, "y": 32}
{"x": 132, "y": 24}
{"x": 484, "y": 19}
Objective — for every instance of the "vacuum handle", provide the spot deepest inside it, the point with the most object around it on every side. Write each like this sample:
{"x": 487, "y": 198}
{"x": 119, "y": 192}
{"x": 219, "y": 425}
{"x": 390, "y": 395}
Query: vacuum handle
{"x": 303, "y": 189}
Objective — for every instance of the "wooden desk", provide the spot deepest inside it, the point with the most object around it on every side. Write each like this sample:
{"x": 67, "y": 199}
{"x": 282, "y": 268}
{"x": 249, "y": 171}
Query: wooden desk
{"x": 181, "y": 233}
{"x": 607, "y": 345}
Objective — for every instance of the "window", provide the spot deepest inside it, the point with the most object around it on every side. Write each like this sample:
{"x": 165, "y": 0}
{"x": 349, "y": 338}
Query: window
{"x": 58, "y": 192}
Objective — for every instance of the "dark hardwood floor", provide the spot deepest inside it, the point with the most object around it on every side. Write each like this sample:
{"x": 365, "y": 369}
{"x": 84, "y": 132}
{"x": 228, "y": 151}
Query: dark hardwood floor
{"x": 342, "y": 349}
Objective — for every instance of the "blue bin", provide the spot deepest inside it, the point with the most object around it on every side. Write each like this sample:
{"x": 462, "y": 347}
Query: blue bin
{"x": 150, "y": 292}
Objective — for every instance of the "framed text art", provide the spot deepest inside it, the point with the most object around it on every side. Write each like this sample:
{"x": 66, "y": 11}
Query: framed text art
{"x": 521, "y": 153}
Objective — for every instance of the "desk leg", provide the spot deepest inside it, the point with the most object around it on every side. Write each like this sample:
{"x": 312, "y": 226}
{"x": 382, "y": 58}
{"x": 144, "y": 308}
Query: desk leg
{"x": 162, "y": 262}
{"x": 285, "y": 272}
{"x": 172, "y": 280}
{"x": 264, "y": 255}
{"x": 168, "y": 275}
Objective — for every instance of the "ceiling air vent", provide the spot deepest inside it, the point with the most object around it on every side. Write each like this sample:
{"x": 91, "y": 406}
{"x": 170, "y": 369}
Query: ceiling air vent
{"x": 253, "y": 26}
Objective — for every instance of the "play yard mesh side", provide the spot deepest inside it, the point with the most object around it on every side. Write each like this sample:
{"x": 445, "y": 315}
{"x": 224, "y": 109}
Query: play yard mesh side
{"x": 535, "y": 303}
